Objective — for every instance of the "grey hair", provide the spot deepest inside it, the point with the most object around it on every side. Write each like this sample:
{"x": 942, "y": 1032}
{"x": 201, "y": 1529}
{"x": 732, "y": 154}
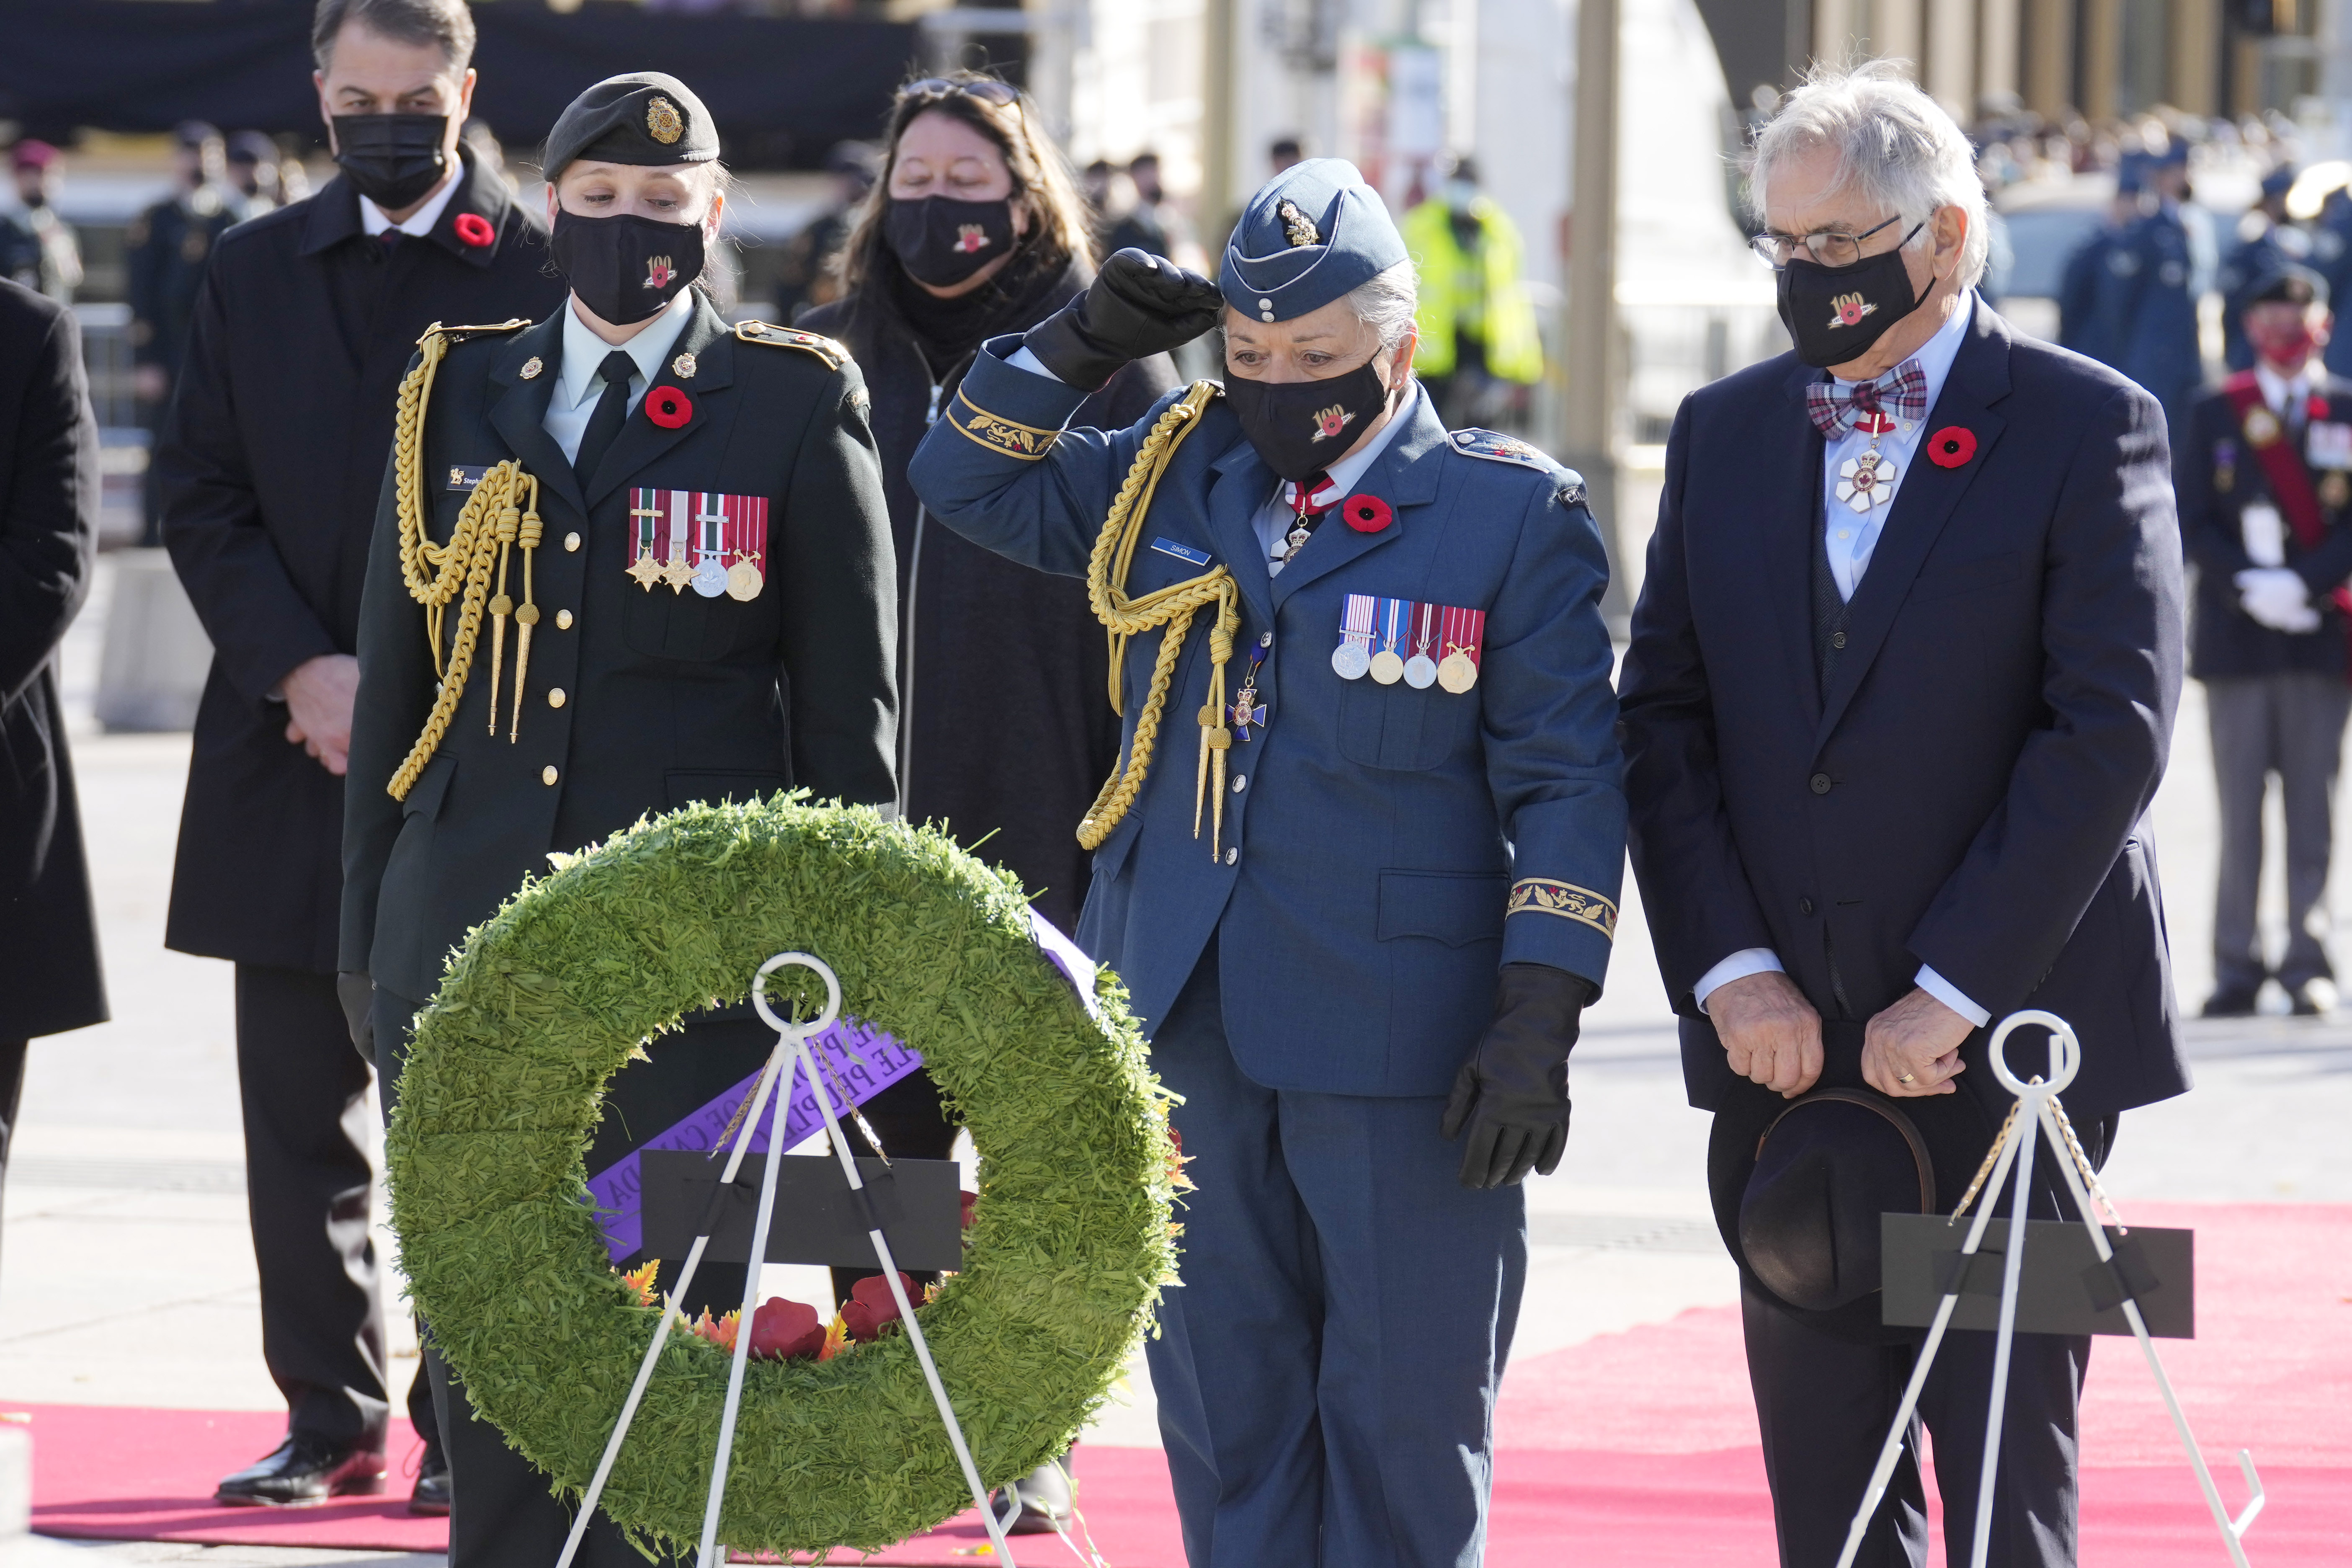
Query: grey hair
{"x": 1893, "y": 143}
{"x": 1386, "y": 301}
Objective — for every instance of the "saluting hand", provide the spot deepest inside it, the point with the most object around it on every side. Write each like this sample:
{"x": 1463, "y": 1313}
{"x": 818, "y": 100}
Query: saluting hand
{"x": 320, "y": 695}
{"x": 1771, "y": 1034}
{"x": 1139, "y": 305}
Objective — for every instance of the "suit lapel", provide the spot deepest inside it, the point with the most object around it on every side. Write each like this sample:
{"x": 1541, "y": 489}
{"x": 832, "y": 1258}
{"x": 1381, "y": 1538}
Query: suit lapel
{"x": 1925, "y": 503}
{"x": 518, "y": 411}
{"x": 641, "y": 441}
{"x": 1404, "y": 475}
{"x": 1789, "y": 541}
{"x": 1242, "y": 486}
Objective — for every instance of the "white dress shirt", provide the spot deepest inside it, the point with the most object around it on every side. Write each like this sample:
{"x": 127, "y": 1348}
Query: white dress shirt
{"x": 1275, "y": 516}
{"x": 1850, "y": 538}
{"x": 420, "y": 222}
{"x": 578, "y": 387}
{"x": 2286, "y": 398}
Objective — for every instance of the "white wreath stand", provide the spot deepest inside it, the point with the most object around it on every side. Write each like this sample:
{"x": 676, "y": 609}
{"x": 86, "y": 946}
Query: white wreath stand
{"x": 791, "y": 1037}
{"x": 2037, "y": 1112}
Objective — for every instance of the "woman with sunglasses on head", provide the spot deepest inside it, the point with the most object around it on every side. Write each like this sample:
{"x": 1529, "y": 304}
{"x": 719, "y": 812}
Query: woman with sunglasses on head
{"x": 1005, "y": 732}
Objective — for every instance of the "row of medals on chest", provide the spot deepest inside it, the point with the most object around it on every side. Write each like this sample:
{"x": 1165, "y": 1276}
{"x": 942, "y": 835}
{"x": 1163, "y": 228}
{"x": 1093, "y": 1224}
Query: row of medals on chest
{"x": 2263, "y": 427}
{"x": 1457, "y": 672}
{"x": 708, "y": 577}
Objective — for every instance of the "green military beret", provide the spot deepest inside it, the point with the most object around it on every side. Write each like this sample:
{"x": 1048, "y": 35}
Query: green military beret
{"x": 643, "y": 118}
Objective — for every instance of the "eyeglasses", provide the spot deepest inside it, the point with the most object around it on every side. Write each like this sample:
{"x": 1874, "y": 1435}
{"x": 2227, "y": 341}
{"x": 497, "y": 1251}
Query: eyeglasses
{"x": 986, "y": 89}
{"x": 1824, "y": 247}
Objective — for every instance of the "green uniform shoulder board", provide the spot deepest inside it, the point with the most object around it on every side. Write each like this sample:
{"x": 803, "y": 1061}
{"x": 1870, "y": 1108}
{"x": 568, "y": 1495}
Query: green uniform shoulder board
{"x": 835, "y": 354}
{"x": 460, "y": 334}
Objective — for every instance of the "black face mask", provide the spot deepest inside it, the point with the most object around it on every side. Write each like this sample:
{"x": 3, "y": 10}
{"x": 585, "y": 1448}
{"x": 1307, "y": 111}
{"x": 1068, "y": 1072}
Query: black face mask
{"x": 1300, "y": 426}
{"x": 942, "y": 241}
{"x": 1836, "y": 313}
{"x": 626, "y": 267}
{"x": 391, "y": 159}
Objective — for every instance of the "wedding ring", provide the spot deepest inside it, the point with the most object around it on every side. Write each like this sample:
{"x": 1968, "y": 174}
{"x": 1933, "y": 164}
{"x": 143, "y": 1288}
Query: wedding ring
{"x": 1906, "y": 1078}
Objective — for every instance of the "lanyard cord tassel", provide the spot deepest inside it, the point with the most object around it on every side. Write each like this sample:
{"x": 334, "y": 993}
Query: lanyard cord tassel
{"x": 502, "y": 510}
{"x": 1173, "y": 608}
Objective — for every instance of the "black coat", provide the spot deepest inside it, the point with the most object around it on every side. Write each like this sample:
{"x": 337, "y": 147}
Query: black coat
{"x": 667, "y": 697}
{"x": 1971, "y": 791}
{"x": 270, "y": 472}
{"x": 2223, "y": 640}
{"x": 164, "y": 253}
{"x": 1006, "y": 726}
{"x": 49, "y": 978}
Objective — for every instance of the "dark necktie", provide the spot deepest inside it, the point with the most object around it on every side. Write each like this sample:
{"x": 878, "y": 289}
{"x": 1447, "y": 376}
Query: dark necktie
{"x": 611, "y": 413}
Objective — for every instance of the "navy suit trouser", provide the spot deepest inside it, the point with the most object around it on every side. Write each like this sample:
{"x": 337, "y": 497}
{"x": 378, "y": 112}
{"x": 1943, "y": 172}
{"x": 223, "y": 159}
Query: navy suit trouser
{"x": 1327, "y": 1372}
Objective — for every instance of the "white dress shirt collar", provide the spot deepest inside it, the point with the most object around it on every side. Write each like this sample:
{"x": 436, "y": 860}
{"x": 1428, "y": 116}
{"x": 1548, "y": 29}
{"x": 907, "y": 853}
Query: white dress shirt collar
{"x": 421, "y": 221}
{"x": 2283, "y": 393}
{"x": 583, "y": 351}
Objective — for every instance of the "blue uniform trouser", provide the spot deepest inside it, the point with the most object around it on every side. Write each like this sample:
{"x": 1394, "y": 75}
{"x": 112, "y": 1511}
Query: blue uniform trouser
{"x": 1327, "y": 1372}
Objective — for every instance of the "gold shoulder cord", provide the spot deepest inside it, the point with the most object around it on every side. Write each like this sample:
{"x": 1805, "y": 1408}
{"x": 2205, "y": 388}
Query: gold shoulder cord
{"x": 1172, "y": 608}
{"x": 490, "y": 524}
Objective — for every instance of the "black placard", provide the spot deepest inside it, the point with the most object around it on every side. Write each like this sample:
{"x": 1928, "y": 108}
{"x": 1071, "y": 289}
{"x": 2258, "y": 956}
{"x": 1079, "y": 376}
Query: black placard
{"x": 2062, "y": 1288}
{"x": 817, "y": 1220}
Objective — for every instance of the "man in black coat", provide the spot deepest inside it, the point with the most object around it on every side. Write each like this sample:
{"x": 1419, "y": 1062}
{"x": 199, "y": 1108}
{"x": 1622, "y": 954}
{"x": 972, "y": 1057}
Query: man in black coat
{"x": 165, "y": 251}
{"x": 284, "y": 411}
{"x": 1889, "y": 764}
{"x": 50, "y": 979}
{"x": 2265, "y": 476}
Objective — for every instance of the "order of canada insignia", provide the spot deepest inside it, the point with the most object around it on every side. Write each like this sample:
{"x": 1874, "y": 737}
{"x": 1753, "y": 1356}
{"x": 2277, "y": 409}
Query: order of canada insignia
{"x": 663, "y": 121}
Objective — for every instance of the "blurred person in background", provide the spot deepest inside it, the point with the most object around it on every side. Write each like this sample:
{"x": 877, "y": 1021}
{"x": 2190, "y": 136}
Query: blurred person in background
{"x": 50, "y": 980}
{"x": 2267, "y": 243}
{"x": 1005, "y": 729}
{"x": 1150, "y": 226}
{"x": 165, "y": 249}
{"x": 811, "y": 274}
{"x": 2155, "y": 274}
{"x": 252, "y": 163}
{"x": 270, "y": 469}
{"x": 37, "y": 247}
{"x": 1479, "y": 341}
{"x": 489, "y": 155}
{"x": 2263, "y": 471}
{"x": 2090, "y": 303}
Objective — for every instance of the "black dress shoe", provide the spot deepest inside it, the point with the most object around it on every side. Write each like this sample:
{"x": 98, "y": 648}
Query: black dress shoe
{"x": 2231, "y": 1001}
{"x": 2309, "y": 1000}
{"x": 432, "y": 1494}
{"x": 303, "y": 1471}
{"x": 1044, "y": 1494}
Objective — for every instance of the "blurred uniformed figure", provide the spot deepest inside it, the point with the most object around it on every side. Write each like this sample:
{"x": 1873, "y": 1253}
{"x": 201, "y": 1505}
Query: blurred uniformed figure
{"x": 252, "y": 163}
{"x": 649, "y": 650}
{"x": 2089, "y": 297}
{"x": 2265, "y": 480}
{"x": 270, "y": 469}
{"x": 1479, "y": 341}
{"x": 37, "y": 247}
{"x": 2267, "y": 244}
{"x": 166, "y": 249}
{"x": 2155, "y": 274}
{"x": 1383, "y": 810}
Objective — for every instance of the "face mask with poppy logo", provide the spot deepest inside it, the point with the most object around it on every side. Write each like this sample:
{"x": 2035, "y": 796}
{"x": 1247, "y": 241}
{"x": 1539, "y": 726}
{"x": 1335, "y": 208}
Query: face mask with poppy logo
{"x": 626, "y": 268}
{"x": 1298, "y": 426}
{"x": 1835, "y": 314}
{"x": 942, "y": 241}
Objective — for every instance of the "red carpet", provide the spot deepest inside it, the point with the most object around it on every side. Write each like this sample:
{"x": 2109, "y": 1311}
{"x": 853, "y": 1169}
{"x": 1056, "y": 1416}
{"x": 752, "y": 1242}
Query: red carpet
{"x": 1634, "y": 1450}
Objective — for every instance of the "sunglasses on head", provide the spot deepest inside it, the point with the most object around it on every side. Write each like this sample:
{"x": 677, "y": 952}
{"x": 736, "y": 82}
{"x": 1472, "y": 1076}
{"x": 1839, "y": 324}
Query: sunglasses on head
{"x": 987, "y": 90}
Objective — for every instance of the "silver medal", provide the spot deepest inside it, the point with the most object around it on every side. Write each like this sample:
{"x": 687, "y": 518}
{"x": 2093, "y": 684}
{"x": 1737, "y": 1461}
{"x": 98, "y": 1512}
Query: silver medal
{"x": 1349, "y": 661}
{"x": 1421, "y": 672}
{"x": 711, "y": 578}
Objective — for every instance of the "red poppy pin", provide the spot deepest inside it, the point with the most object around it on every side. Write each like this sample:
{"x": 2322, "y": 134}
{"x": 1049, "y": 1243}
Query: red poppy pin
{"x": 1951, "y": 446}
{"x": 1366, "y": 514}
{"x": 475, "y": 230}
{"x": 669, "y": 408}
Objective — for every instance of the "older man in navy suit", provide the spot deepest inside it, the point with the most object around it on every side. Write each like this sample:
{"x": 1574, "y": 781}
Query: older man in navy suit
{"x": 1382, "y": 865}
{"x": 1900, "y": 690}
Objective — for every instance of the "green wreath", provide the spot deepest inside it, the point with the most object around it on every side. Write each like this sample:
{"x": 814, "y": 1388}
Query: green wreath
{"x": 1069, "y": 1244}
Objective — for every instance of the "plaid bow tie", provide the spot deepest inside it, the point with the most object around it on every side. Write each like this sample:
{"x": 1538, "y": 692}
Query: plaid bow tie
{"x": 1900, "y": 391}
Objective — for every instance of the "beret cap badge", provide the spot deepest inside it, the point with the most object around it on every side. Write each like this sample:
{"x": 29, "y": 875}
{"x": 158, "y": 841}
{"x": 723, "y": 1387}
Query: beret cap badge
{"x": 1296, "y": 224}
{"x": 662, "y": 123}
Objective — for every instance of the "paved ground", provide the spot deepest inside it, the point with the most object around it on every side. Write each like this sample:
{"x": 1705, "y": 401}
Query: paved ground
{"x": 130, "y": 1277}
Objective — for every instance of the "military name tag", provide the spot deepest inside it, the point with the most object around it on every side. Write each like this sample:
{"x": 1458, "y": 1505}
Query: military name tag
{"x": 1182, "y": 551}
{"x": 2327, "y": 444}
{"x": 712, "y": 542}
{"x": 466, "y": 476}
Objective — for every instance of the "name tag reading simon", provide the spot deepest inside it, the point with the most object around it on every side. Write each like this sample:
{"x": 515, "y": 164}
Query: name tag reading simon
{"x": 2327, "y": 444}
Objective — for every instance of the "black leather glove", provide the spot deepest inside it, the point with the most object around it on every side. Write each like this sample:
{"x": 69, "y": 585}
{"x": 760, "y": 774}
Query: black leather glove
{"x": 1139, "y": 305}
{"x": 356, "y": 992}
{"x": 1512, "y": 1094}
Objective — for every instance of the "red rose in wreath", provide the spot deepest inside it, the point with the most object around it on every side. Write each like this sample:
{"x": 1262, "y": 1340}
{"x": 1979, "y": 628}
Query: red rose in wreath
{"x": 669, "y": 408}
{"x": 870, "y": 1306}
{"x": 1951, "y": 446}
{"x": 475, "y": 230}
{"x": 1366, "y": 514}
